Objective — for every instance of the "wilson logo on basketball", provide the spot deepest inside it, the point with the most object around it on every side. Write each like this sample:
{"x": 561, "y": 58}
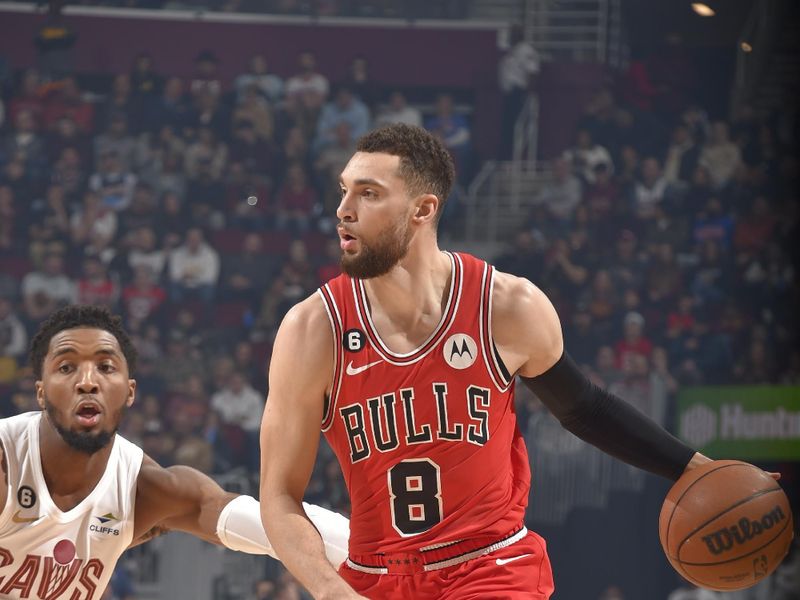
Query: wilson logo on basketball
{"x": 744, "y": 531}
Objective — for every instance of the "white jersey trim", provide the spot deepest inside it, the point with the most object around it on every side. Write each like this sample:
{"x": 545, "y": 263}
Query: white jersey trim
{"x": 441, "y": 329}
{"x": 335, "y": 319}
{"x": 486, "y": 336}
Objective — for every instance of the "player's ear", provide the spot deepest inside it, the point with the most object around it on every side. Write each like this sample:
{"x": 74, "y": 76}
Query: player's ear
{"x": 39, "y": 387}
{"x": 425, "y": 208}
{"x": 131, "y": 392}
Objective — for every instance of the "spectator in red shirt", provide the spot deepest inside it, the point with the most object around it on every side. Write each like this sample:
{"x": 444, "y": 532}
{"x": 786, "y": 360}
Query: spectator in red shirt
{"x": 142, "y": 299}
{"x": 29, "y": 98}
{"x": 754, "y": 231}
{"x": 188, "y": 408}
{"x": 330, "y": 266}
{"x": 296, "y": 200}
{"x": 68, "y": 100}
{"x": 681, "y": 320}
{"x": 633, "y": 342}
{"x": 96, "y": 287}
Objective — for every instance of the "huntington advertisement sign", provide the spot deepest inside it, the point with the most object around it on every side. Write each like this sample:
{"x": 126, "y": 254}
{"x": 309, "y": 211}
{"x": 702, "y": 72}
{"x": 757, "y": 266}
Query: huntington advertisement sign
{"x": 744, "y": 422}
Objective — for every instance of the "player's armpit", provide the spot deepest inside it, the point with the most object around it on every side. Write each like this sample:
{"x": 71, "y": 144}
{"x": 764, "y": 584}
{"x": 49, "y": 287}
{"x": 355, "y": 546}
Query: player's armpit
{"x": 148, "y": 535}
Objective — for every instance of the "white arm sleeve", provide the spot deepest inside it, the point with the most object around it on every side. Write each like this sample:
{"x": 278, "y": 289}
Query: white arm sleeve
{"x": 239, "y": 528}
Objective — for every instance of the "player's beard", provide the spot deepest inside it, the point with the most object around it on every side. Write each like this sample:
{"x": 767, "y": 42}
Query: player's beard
{"x": 378, "y": 258}
{"x": 87, "y": 442}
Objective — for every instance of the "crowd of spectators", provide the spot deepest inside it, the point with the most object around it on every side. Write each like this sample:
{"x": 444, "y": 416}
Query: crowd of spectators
{"x": 671, "y": 240}
{"x": 202, "y": 213}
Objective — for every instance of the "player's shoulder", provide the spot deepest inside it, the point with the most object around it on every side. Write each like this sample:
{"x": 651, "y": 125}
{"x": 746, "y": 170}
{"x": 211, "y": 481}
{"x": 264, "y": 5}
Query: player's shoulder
{"x": 158, "y": 490}
{"x": 305, "y": 332}
{"x": 152, "y": 476}
{"x": 311, "y": 310}
{"x": 525, "y": 324}
{"x": 516, "y": 296}
{"x": 309, "y": 319}
{"x": 154, "y": 484}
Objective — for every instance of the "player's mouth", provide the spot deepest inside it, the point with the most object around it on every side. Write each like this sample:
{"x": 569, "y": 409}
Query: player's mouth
{"x": 88, "y": 413}
{"x": 346, "y": 241}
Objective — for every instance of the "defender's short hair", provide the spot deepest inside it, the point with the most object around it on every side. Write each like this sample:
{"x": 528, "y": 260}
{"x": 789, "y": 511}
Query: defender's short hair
{"x": 75, "y": 316}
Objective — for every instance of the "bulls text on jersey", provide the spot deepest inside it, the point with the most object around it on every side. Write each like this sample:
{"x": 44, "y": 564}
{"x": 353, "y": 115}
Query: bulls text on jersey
{"x": 373, "y": 425}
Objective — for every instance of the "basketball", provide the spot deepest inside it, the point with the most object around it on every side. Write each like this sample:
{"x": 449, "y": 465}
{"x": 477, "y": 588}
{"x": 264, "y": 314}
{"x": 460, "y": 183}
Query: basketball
{"x": 725, "y": 525}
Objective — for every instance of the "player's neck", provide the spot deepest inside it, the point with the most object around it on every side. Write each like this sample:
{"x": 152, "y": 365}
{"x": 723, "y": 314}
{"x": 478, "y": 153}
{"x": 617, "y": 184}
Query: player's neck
{"x": 70, "y": 475}
{"x": 418, "y": 285}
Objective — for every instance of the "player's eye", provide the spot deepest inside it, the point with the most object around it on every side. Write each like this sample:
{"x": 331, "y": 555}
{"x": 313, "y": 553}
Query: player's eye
{"x": 342, "y": 191}
{"x": 65, "y": 368}
{"x": 107, "y": 367}
{"x": 368, "y": 193}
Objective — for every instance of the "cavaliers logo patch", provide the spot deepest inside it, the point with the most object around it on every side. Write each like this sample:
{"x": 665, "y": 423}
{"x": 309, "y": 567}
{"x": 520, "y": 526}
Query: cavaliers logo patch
{"x": 460, "y": 351}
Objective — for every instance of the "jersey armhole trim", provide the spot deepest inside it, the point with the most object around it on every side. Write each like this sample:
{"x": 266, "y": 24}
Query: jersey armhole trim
{"x": 11, "y": 477}
{"x": 494, "y": 364}
{"x": 134, "y": 468}
{"x": 499, "y": 360}
{"x": 335, "y": 320}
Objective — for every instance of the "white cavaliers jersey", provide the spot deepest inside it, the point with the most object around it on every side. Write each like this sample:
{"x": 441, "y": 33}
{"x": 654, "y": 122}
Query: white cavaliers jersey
{"x": 49, "y": 554}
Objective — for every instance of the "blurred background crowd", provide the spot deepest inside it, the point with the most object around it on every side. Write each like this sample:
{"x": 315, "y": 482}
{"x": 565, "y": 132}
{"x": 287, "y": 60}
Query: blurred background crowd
{"x": 202, "y": 208}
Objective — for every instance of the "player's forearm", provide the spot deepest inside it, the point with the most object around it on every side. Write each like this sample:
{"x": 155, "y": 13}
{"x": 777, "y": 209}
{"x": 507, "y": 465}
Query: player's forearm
{"x": 299, "y": 546}
{"x": 607, "y": 422}
{"x": 202, "y": 504}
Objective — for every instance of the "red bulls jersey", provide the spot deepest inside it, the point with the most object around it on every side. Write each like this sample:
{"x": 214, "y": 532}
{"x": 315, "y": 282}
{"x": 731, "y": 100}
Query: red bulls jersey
{"x": 428, "y": 440}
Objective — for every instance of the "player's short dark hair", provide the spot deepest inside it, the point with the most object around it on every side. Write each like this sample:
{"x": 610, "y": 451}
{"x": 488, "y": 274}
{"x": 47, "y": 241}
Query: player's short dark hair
{"x": 75, "y": 316}
{"x": 425, "y": 164}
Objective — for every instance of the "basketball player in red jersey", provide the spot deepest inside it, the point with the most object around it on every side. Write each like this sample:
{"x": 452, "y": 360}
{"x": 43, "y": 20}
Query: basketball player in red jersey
{"x": 408, "y": 362}
{"x": 77, "y": 495}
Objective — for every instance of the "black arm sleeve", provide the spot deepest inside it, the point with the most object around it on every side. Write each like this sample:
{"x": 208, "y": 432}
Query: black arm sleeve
{"x": 606, "y": 421}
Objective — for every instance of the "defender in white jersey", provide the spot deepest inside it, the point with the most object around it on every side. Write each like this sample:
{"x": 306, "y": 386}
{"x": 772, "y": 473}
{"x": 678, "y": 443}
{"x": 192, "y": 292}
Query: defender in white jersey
{"x": 77, "y": 495}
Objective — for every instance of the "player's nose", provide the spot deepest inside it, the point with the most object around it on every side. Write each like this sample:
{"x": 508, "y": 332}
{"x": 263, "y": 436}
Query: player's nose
{"x": 87, "y": 380}
{"x": 346, "y": 209}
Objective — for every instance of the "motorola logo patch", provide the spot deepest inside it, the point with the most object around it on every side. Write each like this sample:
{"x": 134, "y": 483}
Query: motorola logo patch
{"x": 460, "y": 351}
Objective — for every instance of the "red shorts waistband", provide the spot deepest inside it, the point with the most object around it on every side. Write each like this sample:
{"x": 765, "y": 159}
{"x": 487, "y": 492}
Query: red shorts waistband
{"x": 430, "y": 558}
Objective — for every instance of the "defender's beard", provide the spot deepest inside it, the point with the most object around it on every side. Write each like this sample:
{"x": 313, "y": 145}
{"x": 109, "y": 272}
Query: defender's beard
{"x": 83, "y": 441}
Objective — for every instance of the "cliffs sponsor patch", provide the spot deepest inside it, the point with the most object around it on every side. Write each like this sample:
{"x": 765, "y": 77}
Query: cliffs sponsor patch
{"x": 103, "y": 525}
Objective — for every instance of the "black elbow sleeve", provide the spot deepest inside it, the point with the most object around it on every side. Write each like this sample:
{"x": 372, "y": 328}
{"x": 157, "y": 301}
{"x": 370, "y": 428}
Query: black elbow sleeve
{"x": 607, "y": 422}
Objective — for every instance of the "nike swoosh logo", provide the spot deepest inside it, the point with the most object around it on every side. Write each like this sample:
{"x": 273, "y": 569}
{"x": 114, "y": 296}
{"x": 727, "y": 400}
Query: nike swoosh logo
{"x": 502, "y": 561}
{"x": 17, "y": 519}
{"x": 351, "y": 370}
